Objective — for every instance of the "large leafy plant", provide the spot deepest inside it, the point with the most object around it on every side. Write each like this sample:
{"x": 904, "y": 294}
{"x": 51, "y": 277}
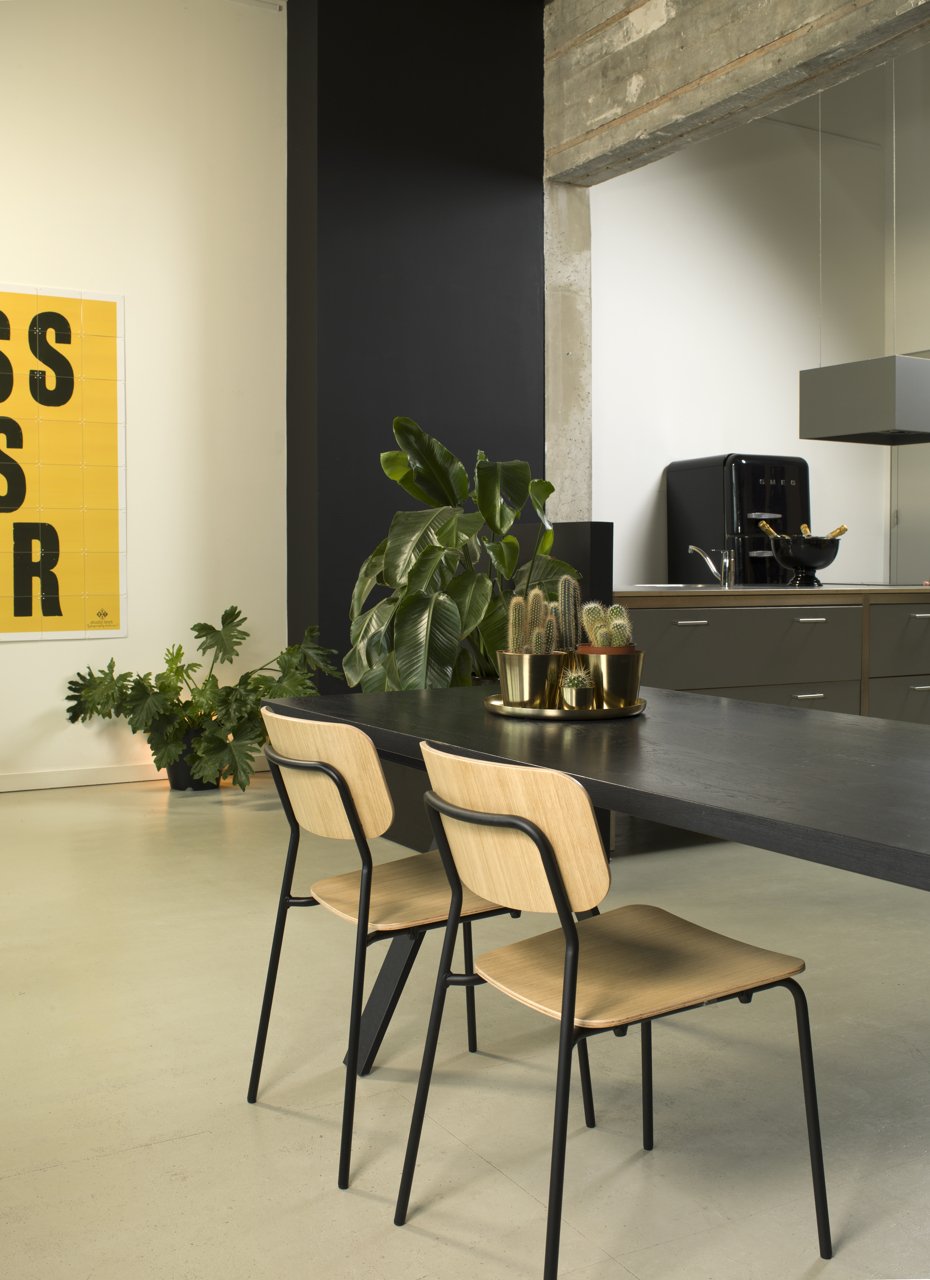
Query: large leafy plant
{"x": 186, "y": 713}
{"x": 441, "y": 579}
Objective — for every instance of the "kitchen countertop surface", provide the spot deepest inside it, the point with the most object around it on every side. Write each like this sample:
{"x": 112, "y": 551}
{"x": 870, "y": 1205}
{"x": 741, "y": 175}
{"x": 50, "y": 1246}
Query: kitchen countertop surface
{"x": 662, "y": 594}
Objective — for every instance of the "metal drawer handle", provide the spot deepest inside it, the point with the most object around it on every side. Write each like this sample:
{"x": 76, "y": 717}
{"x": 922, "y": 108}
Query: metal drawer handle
{"x": 811, "y": 619}
{"x": 691, "y": 622}
{"x": 919, "y": 688}
{"x": 920, "y": 615}
{"x": 799, "y": 696}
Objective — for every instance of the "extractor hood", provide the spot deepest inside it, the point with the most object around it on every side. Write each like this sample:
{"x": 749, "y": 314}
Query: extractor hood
{"x": 880, "y": 401}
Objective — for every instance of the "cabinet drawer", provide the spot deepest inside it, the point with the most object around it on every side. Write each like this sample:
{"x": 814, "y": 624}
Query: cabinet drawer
{"x": 831, "y": 695}
{"x": 899, "y": 639}
{"x": 730, "y": 648}
{"x": 901, "y": 698}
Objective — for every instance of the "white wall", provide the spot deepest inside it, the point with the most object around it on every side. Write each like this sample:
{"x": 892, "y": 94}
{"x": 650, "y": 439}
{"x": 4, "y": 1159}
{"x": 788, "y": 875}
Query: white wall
{"x": 144, "y": 156}
{"x": 706, "y": 303}
{"x": 909, "y": 311}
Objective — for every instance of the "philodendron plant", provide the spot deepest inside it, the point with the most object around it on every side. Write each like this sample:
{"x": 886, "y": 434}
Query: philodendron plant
{"x": 429, "y": 609}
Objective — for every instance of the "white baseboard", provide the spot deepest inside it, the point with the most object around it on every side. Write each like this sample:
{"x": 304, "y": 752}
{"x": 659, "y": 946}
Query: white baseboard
{"x": 48, "y": 779}
{"x": 100, "y": 775}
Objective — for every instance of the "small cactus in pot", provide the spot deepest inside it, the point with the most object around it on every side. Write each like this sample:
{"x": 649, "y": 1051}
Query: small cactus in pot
{"x": 616, "y": 664}
{"x": 578, "y": 692}
{"x": 532, "y": 663}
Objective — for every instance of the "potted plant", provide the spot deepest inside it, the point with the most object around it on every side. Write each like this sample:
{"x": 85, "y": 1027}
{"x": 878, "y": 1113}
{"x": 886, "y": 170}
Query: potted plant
{"x": 429, "y": 609}
{"x": 577, "y": 691}
{"x": 616, "y": 664}
{"x": 199, "y": 730}
{"x": 531, "y": 665}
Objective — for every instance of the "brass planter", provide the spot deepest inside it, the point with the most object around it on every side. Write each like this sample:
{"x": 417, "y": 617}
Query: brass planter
{"x": 617, "y": 674}
{"x": 530, "y": 679}
{"x": 574, "y": 699}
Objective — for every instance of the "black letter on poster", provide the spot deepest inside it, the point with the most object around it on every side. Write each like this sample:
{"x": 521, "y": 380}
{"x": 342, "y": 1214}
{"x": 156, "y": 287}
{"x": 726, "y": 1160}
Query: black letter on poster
{"x": 10, "y": 469}
{"x": 56, "y": 360}
{"x": 25, "y": 569}
{"x": 6, "y": 369}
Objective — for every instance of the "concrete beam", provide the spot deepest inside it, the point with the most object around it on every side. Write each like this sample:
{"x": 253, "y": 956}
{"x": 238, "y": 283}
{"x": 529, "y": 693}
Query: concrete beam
{"x": 628, "y": 81}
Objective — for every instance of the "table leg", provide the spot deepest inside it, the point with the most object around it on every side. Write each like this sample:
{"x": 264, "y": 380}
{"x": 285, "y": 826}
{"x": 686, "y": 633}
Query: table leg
{"x": 382, "y": 1001}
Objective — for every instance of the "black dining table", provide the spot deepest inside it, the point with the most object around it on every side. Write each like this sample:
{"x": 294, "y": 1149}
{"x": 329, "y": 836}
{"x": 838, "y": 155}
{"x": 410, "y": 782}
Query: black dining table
{"x": 846, "y": 791}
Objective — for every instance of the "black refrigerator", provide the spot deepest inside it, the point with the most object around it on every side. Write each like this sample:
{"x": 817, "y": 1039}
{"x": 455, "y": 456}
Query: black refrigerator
{"x": 717, "y": 503}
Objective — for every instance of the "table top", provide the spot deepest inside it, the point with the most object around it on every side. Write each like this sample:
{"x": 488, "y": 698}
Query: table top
{"x": 843, "y": 790}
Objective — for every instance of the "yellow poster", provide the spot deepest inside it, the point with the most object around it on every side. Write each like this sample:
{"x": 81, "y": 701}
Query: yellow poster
{"x": 62, "y": 466}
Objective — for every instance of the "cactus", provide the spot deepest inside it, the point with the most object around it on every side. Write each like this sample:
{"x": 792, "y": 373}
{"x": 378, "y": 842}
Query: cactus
{"x": 607, "y": 628}
{"x": 516, "y": 625}
{"x": 533, "y": 625}
{"x": 621, "y": 629}
{"x": 570, "y": 611}
{"x": 577, "y": 678}
{"x": 551, "y": 635}
{"x": 537, "y": 609}
{"x": 594, "y": 621}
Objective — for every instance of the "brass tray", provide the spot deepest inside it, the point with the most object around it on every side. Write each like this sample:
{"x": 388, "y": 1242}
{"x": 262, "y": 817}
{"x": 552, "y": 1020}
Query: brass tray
{"x": 495, "y": 704}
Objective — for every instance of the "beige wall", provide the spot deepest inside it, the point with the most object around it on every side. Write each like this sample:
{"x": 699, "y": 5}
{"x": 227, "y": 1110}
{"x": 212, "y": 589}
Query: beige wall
{"x": 144, "y": 156}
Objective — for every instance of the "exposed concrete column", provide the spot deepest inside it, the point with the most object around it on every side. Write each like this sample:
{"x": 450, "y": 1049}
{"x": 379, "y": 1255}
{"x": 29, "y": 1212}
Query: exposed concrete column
{"x": 568, "y": 350}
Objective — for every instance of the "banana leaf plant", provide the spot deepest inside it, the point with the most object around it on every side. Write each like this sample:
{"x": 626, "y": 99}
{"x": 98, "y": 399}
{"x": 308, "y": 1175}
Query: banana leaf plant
{"x": 429, "y": 609}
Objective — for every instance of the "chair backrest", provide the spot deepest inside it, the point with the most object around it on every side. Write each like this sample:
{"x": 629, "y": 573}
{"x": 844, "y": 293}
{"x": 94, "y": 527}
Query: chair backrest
{"x": 504, "y": 865}
{"x": 314, "y": 797}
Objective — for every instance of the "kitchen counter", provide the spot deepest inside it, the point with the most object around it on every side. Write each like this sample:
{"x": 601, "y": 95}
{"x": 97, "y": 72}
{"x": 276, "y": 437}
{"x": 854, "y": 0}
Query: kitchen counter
{"x": 849, "y": 647}
{"x": 661, "y": 595}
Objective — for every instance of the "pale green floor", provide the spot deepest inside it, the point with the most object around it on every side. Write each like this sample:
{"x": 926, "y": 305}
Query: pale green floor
{"x": 134, "y": 927}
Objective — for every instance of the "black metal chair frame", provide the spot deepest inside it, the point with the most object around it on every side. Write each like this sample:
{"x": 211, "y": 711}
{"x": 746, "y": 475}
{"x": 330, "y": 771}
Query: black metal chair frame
{"x": 355, "y": 1063}
{"x": 571, "y": 1037}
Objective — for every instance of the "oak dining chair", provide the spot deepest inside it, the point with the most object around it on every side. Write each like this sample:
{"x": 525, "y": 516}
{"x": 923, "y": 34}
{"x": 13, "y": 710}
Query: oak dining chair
{"x": 527, "y": 838}
{"x": 331, "y": 784}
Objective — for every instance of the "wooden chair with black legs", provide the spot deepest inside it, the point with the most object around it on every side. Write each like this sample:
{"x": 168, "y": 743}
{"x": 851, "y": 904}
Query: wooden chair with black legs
{"x": 527, "y": 838}
{"x": 331, "y": 783}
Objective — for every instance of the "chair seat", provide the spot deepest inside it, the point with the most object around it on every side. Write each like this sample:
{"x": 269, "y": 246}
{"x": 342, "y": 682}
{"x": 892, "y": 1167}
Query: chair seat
{"x": 636, "y": 962}
{"x": 405, "y": 894}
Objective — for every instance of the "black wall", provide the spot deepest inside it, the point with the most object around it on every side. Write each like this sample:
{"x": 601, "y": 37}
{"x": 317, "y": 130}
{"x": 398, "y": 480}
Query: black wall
{"x": 415, "y": 262}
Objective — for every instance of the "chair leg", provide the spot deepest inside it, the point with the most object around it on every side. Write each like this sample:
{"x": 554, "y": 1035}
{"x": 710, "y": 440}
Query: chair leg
{"x": 813, "y": 1117}
{"x": 271, "y": 977}
{"x": 351, "y": 1058}
{"x": 587, "y": 1093}
{"x": 559, "y": 1137}
{"x": 646, "y": 1052}
{"x": 426, "y": 1072}
{"x": 469, "y": 991}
